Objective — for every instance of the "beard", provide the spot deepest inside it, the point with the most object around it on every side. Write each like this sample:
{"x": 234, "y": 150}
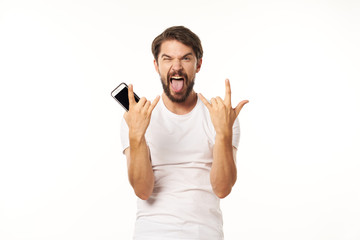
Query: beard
{"x": 177, "y": 97}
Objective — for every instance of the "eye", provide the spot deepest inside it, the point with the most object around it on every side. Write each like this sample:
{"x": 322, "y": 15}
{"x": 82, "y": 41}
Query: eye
{"x": 187, "y": 58}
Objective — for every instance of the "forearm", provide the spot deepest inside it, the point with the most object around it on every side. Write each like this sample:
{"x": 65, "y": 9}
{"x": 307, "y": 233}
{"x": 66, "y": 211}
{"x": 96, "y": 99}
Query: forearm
{"x": 140, "y": 170}
{"x": 223, "y": 171}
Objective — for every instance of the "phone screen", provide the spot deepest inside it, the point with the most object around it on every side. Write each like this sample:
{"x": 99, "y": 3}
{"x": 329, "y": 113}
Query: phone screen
{"x": 123, "y": 99}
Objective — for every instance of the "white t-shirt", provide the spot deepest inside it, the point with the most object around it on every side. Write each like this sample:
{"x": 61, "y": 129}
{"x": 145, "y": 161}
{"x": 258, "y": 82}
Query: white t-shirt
{"x": 183, "y": 204}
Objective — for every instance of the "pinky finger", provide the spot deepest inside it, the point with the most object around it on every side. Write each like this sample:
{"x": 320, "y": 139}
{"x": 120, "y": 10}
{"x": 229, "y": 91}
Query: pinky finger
{"x": 153, "y": 104}
{"x": 203, "y": 99}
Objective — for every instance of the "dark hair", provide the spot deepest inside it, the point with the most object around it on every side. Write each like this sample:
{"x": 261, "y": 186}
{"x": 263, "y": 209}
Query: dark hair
{"x": 181, "y": 34}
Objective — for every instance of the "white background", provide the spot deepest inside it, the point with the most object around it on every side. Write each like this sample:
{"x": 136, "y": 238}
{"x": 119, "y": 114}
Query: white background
{"x": 62, "y": 175}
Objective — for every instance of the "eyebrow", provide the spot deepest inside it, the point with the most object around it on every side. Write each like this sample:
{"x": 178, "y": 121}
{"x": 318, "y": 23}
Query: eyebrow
{"x": 165, "y": 55}
{"x": 188, "y": 54}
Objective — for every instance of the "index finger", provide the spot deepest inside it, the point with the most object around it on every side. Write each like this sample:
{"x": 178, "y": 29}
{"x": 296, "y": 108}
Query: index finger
{"x": 227, "y": 99}
{"x": 131, "y": 95}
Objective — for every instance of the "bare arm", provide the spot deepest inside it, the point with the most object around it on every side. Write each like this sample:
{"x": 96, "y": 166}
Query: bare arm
{"x": 140, "y": 171}
{"x": 223, "y": 171}
{"x": 141, "y": 176}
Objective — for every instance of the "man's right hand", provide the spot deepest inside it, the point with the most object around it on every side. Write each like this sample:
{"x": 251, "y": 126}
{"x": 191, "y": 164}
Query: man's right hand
{"x": 139, "y": 114}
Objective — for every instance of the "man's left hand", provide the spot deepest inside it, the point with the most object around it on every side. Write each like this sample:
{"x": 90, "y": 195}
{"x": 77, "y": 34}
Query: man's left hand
{"x": 222, "y": 114}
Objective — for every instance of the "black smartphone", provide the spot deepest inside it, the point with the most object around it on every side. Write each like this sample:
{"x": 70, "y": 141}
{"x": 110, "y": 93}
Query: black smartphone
{"x": 120, "y": 93}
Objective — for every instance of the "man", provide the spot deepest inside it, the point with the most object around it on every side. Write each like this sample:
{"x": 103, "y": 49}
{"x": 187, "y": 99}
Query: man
{"x": 180, "y": 149}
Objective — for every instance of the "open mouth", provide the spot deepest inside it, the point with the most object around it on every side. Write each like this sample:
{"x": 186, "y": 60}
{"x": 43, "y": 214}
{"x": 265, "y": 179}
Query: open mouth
{"x": 177, "y": 83}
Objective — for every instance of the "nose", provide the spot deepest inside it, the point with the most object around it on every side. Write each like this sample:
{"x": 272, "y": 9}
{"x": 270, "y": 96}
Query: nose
{"x": 176, "y": 65}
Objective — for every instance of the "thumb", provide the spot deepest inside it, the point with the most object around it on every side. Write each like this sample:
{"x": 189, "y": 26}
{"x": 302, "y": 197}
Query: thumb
{"x": 240, "y": 106}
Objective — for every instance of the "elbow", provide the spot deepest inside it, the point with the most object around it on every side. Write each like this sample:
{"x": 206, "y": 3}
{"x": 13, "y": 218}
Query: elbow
{"x": 143, "y": 196}
{"x": 223, "y": 193}
{"x": 223, "y": 188}
{"x": 143, "y": 191}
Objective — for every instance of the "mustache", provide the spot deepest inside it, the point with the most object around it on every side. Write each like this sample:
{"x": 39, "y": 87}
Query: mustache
{"x": 177, "y": 73}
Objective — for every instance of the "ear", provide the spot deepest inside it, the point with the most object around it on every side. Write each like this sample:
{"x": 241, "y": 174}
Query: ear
{"x": 199, "y": 62}
{"x": 156, "y": 66}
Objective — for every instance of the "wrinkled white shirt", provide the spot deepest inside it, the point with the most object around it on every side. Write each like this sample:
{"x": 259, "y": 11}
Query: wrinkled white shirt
{"x": 183, "y": 204}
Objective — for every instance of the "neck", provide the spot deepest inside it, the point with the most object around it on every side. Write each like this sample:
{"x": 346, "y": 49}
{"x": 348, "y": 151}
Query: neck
{"x": 183, "y": 107}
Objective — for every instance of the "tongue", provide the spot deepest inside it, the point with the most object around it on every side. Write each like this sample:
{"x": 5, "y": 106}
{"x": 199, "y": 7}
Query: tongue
{"x": 177, "y": 85}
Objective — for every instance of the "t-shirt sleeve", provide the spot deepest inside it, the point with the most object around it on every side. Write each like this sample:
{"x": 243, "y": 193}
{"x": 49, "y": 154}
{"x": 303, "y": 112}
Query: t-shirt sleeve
{"x": 124, "y": 135}
{"x": 236, "y": 133}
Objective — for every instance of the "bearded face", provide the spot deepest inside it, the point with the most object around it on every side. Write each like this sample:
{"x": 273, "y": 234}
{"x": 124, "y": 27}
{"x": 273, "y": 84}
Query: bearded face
{"x": 177, "y": 67}
{"x": 177, "y": 86}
